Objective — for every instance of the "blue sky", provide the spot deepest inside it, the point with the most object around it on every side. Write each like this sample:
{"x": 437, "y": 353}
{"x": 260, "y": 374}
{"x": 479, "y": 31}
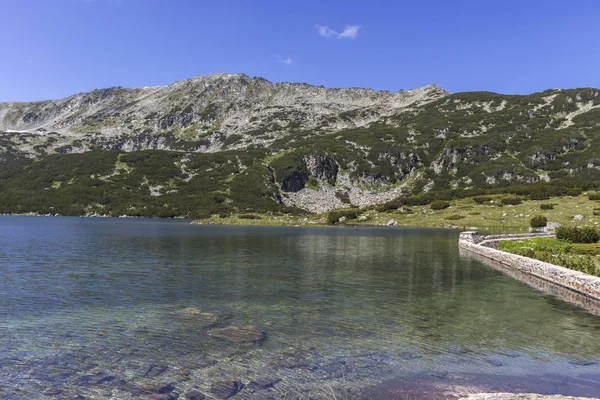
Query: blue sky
{"x": 54, "y": 48}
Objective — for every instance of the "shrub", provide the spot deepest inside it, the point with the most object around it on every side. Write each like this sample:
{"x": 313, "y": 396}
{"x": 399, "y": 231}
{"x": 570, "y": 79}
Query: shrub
{"x": 249, "y": 216}
{"x": 454, "y": 217}
{"x": 439, "y": 205}
{"x": 390, "y": 205}
{"x": 539, "y": 221}
{"x": 482, "y": 199}
{"x": 594, "y": 196}
{"x": 546, "y": 206}
{"x": 541, "y": 195}
{"x": 596, "y": 211}
{"x": 343, "y": 196}
{"x": 335, "y": 215}
{"x": 512, "y": 201}
{"x": 313, "y": 183}
{"x": 578, "y": 235}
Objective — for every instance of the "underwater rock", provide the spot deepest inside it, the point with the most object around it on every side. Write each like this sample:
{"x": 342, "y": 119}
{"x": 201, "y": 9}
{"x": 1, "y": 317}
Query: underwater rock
{"x": 161, "y": 396}
{"x": 200, "y": 364}
{"x": 150, "y": 389}
{"x": 105, "y": 380}
{"x": 292, "y": 363}
{"x": 263, "y": 383}
{"x": 582, "y": 363}
{"x": 239, "y": 334}
{"x": 226, "y": 389}
{"x": 409, "y": 356}
{"x": 198, "y": 315}
{"x": 194, "y": 395}
{"x": 155, "y": 370}
{"x": 495, "y": 363}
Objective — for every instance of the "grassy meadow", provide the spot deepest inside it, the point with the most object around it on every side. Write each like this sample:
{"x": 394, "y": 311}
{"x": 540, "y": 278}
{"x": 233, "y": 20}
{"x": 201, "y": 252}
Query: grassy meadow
{"x": 491, "y": 215}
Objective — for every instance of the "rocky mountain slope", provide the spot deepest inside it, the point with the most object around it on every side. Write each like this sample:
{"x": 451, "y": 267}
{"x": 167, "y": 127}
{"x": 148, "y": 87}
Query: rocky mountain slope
{"x": 206, "y": 114}
{"x": 229, "y": 143}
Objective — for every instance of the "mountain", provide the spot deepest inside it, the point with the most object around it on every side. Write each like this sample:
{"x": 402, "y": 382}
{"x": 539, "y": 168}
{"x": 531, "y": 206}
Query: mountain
{"x": 230, "y": 143}
{"x": 207, "y": 114}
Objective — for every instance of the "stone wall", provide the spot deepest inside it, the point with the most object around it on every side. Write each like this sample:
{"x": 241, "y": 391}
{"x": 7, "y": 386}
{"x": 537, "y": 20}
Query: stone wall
{"x": 573, "y": 280}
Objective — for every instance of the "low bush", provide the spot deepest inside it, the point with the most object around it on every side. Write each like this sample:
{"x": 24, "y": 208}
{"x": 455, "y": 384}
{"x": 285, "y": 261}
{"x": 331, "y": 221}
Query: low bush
{"x": 596, "y": 211}
{"x": 578, "y": 235}
{"x": 313, "y": 183}
{"x": 454, "y": 217}
{"x": 439, "y": 205}
{"x": 539, "y": 221}
{"x": 249, "y": 216}
{"x": 334, "y": 216}
{"x": 482, "y": 199}
{"x": 343, "y": 196}
{"x": 539, "y": 196}
{"x": 546, "y": 206}
{"x": 511, "y": 201}
{"x": 594, "y": 196}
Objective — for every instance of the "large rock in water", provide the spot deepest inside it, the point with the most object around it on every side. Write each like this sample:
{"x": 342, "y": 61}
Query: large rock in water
{"x": 239, "y": 334}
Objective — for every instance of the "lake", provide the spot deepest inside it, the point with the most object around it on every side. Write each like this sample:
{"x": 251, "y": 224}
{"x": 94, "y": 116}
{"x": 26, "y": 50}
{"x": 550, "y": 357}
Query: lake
{"x": 136, "y": 308}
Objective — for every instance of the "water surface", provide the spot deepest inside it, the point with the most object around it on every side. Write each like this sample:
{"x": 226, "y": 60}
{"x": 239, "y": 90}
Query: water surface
{"x": 103, "y": 308}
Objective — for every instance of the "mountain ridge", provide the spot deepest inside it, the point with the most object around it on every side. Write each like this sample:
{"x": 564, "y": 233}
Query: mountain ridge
{"x": 200, "y": 109}
{"x": 236, "y": 143}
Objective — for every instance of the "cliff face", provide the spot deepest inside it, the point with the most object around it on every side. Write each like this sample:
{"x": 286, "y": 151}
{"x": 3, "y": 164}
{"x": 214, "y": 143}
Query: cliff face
{"x": 241, "y": 143}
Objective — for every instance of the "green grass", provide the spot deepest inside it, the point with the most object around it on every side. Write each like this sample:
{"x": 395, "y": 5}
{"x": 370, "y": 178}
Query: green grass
{"x": 488, "y": 216}
{"x": 579, "y": 257}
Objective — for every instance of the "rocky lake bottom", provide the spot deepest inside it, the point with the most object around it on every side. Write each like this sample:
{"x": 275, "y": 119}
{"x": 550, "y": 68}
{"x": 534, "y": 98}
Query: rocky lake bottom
{"x": 151, "y": 309}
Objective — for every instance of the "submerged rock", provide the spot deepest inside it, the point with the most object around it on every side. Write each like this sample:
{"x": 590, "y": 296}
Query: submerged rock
{"x": 194, "y": 395}
{"x": 149, "y": 391}
{"x": 226, "y": 389}
{"x": 198, "y": 315}
{"x": 155, "y": 370}
{"x": 263, "y": 383}
{"x": 292, "y": 363}
{"x": 239, "y": 334}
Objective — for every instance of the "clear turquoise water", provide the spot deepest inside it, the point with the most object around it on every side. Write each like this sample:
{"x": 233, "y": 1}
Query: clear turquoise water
{"x": 96, "y": 307}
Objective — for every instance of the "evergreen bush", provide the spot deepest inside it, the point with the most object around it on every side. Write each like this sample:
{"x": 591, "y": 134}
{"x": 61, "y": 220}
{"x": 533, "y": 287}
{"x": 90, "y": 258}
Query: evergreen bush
{"x": 482, "y": 199}
{"x": 539, "y": 221}
{"x": 578, "y": 235}
{"x": 512, "y": 201}
{"x": 334, "y": 216}
{"x": 439, "y": 205}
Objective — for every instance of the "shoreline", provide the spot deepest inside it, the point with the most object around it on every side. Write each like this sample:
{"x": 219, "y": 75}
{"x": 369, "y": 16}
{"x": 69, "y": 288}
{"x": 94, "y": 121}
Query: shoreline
{"x": 460, "y": 214}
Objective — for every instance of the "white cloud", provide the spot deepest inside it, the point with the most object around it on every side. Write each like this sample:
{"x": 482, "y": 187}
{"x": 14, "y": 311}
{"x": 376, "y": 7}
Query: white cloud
{"x": 285, "y": 60}
{"x": 349, "y": 32}
{"x": 326, "y": 31}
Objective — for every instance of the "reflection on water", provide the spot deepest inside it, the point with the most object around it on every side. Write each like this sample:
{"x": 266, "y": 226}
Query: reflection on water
{"x": 104, "y": 308}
